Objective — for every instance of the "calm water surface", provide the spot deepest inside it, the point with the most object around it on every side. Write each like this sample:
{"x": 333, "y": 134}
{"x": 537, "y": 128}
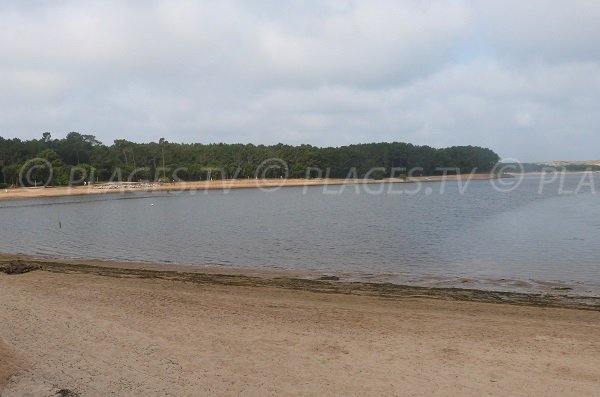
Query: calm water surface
{"x": 438, "y": 232}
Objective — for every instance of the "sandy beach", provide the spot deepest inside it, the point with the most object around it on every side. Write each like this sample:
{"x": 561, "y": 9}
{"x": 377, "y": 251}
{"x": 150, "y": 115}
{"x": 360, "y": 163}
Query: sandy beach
{"x": 107, "y": 330}
{"x": 268, "y": 184}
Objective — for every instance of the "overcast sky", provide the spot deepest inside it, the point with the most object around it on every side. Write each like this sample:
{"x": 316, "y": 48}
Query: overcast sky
{"x": 520, "y": 77}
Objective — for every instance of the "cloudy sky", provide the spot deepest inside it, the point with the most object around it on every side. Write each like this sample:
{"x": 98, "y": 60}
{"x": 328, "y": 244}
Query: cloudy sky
{"x": 520, "y": 77}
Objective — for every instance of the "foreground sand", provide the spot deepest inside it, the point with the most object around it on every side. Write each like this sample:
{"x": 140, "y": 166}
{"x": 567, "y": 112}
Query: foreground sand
{"x": 133, "y": 334}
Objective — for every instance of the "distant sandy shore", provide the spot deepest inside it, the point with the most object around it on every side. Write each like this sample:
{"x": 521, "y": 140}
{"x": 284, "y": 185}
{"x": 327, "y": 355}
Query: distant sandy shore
{"x": 118, "y": 329}
{"x": 40, "y": 192}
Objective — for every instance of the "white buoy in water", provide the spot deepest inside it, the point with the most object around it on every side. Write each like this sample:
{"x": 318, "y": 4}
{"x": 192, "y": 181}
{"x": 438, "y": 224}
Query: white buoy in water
{"x": 151, "y": 204}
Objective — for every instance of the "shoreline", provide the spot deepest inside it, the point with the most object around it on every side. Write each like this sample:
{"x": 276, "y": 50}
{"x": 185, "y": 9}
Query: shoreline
{"x": 310, "y": 281}
{"x": 98, "y": 330}
{"x": 227, "y": 184}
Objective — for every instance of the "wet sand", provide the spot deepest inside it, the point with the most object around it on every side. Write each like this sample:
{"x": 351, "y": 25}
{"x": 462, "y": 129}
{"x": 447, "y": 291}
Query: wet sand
{"x": 101, "y": 329}
{"x": 41, "y": 192}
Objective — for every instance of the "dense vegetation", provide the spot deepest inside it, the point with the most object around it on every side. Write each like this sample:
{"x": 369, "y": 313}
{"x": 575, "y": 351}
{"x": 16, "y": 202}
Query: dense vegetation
{"x": 68, "y": 156}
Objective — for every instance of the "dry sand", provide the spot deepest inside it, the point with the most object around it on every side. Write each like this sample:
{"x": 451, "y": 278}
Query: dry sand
{"x": 104, "y": 332}
{"x": 32, "y": 192}
{"x": 9, "y": 364}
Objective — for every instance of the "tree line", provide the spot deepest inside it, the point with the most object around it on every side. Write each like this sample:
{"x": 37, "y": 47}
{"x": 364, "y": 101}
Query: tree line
{"x": 541, "y": 167}
{"x": 83, "y": 154}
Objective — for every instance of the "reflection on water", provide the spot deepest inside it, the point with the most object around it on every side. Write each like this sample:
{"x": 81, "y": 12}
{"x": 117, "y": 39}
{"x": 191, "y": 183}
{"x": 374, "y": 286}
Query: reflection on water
{"x": 479, "y": 235}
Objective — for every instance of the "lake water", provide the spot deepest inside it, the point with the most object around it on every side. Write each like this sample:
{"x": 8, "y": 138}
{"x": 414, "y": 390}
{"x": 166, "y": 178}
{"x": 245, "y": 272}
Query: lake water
{"x": 407, "y": 233}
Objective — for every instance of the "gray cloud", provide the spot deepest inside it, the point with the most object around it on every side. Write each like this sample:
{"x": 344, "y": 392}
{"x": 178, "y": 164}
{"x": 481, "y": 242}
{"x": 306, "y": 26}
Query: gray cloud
{"x": 521, "y": 78}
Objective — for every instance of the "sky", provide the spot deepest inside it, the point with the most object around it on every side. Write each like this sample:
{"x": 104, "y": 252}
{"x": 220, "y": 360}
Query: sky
{"x": 519, "y": 77}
